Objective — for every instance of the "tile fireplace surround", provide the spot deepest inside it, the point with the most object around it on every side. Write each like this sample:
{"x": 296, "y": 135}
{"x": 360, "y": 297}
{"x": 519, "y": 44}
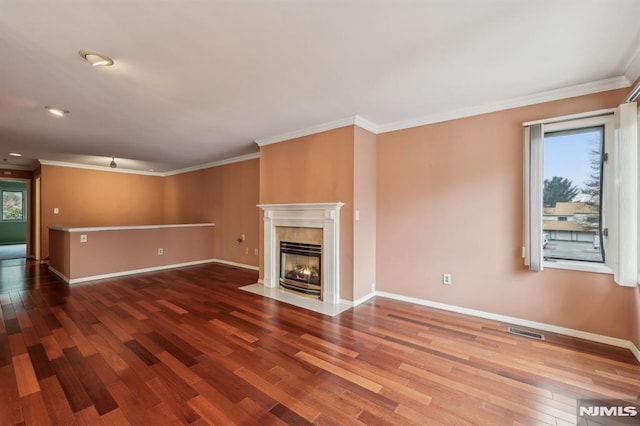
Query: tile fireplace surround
{"x": 325, "y": 216}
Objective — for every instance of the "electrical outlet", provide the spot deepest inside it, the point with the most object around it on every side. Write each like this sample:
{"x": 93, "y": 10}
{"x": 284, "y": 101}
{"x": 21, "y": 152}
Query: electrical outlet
{"x": 160, "y": 251}
{"x": 373, "y": 286}
{"x": 256, "y": 252}
{"x": 446, "y": 279}
{"x": 56, "y": 210}
{"x": 83, "y": 238}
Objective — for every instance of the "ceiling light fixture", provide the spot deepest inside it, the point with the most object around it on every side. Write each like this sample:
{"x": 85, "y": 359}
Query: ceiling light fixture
{"x": 15, "y": 154}
{"x": 113, "y": 164}
{"x": 56, "y": 111}
{"x": 96, "y": 59}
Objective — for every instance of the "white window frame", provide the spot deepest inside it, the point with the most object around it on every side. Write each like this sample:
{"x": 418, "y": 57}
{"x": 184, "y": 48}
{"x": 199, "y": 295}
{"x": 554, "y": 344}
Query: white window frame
{"x": 621, "y": 192}
{"x": 607, "y": 201}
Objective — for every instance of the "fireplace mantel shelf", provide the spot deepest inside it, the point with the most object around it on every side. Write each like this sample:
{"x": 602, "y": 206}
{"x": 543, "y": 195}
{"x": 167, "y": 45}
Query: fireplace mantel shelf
{"x": 302, "y": 206}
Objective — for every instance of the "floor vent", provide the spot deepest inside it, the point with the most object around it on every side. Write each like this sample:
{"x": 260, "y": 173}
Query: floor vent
{"x": 525, "y": 333}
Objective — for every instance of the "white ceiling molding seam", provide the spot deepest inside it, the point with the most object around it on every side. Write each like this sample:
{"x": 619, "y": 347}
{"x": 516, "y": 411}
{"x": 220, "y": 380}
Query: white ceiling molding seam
{"x": 614, "y": 83}
{"x": 98, "y": 168}
{"x": 319, "y": 128}
{"x": 232, "y": 160}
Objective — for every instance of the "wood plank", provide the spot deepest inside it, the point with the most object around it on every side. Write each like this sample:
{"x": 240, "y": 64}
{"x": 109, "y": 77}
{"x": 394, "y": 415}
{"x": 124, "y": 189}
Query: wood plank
{"x": 10, "y": 412}
{"x": 25, "y": 375}
{"x": 94, "y": 387}
{"x": 40, "y": 362}
{"x": 345, "y": 374}
{"x": 34, "y": 410}
{"x": 72, "y": 387}
{"x": 56, "y": 402}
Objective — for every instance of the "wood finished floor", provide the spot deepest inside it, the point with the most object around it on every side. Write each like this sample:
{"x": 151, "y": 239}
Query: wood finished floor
{"x": 188, "y": 347}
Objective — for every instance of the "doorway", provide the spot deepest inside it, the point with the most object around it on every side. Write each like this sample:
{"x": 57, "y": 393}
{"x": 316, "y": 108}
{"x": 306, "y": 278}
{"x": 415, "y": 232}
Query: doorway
{"x": 14, "y": 219}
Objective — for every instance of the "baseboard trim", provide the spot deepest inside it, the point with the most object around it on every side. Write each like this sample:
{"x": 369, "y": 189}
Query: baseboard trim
{"x": 635, "y": 351}
{"x": 599, "y": 338}
{"x": 131, "y": 272}
{"x": 59, "y": 274}
{"x": 239, "y": 265}
{"x": 361, "y": 300}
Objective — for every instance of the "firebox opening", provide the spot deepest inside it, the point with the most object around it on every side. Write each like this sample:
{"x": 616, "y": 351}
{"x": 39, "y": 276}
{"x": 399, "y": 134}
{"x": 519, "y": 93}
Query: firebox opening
{"x": 300, "y": 268}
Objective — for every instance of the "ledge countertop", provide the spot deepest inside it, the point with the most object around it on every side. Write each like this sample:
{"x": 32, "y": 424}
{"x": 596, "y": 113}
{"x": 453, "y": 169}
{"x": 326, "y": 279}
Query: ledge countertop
{"x": 125, "y": 228}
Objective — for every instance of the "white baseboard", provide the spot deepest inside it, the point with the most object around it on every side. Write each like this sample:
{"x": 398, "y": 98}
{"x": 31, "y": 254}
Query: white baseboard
{"x": 635, "y": 351}
{"x": 613, "y": 341}
{"x": 130, "y": 272}
{"x": 361, "y": 300}
{"x": 60, "y": 274}
{"x": 239, "y": 265}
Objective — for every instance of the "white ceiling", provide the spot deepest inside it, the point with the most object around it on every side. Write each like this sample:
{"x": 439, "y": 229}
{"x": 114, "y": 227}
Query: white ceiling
{"x": 198, "y": 81}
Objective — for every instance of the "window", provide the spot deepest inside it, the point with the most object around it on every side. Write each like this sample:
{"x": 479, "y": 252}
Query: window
{"x": 581, "y": 193}
{"x": 572, "y": 190}
{"x": 13, "y": 205}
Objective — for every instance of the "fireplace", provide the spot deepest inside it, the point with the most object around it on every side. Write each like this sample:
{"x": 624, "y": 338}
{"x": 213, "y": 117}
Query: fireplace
{"x": 323, "y": 217}
{"x": 300, "y": 269}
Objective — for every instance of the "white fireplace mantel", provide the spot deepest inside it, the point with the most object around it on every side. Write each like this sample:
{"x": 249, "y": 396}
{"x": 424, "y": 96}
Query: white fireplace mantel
{"x": 305, "y": 215}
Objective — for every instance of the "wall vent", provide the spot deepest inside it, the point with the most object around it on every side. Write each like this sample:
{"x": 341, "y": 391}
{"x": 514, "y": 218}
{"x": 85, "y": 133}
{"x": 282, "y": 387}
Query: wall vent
{"x": 525, "y": 333}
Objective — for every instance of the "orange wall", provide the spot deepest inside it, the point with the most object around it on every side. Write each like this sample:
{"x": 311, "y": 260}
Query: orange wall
{"x": 96, "y": 198}
{"x": 107, "y": 252}
{"x": 364, "y": 200}
{"x": 60, "y": 244}
{"x": 225, "y": 195}
{"x": 314, "y": 169}
{"x": 450, "y": 200}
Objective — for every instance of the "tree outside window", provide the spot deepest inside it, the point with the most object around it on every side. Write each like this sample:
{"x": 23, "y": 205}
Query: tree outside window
{"x": 12, "y": 205}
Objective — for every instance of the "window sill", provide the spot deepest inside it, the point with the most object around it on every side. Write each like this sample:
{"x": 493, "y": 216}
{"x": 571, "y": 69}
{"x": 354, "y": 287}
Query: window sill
{"x": 598, "y": 268}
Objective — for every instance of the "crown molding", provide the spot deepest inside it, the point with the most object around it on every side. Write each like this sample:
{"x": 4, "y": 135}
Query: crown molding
{"x": 354, "y": 120}
{"x": 97, "y": 168}
{"x": 159, "y": 174}
{"x": 232, "y": 160}
{"x": 367, "y": 125}
{"x": 17, "y": 167}
{"x": 546, "y": 96}
{"x": 633, "y": 69}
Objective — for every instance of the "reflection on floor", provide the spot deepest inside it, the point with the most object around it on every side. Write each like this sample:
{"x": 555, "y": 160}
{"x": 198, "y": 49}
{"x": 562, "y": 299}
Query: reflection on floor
{"x": 299, "y": 301}
{"x": 13, "y": 251}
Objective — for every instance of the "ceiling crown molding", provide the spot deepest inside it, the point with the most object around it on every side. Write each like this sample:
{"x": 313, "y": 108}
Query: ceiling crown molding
{"x": 98, "y": 168}
{"x": 331, "y": 125}
{"x": 232, "y": 160}
{"x": 537, "y": 98}
{"x": 633, "y": 69}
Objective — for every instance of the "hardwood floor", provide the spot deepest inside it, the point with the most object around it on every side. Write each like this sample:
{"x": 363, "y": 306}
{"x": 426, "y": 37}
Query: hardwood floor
{"x": 188, "y": 347}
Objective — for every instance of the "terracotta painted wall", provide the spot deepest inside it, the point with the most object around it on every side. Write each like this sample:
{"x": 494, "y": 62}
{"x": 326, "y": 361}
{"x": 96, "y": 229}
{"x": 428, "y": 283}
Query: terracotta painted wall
{"x": 97, "y": 198}
{"x": 314, "y": 169}
{"x": 107, "y": 252}
{"x": 364, "y": 201}
{"x": 450, "y": 200}
{"x": 60, "y": 259}
{"x": 225, "y": 195}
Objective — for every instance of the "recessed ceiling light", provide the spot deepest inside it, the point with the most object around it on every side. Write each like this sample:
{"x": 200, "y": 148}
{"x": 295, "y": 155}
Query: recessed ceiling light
{"x": 15, "y": 154}
{"x": 96, "y": 59}
{"x": 56, "y": 111}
